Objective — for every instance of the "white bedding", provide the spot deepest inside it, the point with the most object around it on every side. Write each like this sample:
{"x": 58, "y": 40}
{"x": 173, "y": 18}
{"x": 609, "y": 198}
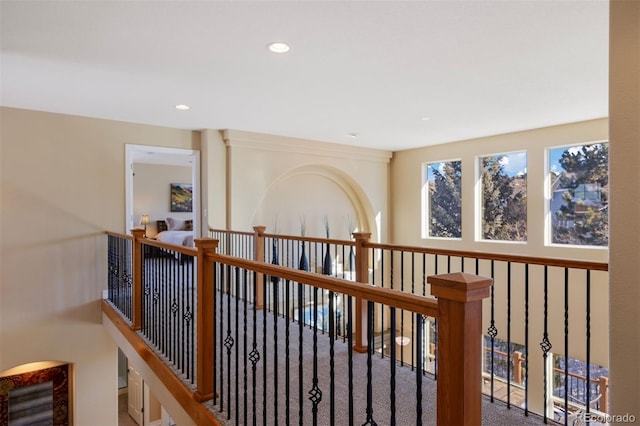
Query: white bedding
{"x": 181, "y": 238}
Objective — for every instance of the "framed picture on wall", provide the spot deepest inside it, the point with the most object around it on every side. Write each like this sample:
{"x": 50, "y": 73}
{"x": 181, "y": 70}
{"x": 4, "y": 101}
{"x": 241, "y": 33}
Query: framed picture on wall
{"x": 181, "y": 197}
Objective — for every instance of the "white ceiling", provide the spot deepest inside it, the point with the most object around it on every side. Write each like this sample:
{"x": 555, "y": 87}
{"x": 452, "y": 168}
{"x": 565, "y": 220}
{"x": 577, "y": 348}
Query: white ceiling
{"x": 374, "y": 68}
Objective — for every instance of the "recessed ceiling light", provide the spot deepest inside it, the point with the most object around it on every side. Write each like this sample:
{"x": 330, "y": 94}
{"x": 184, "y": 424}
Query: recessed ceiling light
{"x": 425, "y": 118}
{"x": 352, "y": 135}
{"x": 182, "y": 107}
{"x": 278, "y": 47}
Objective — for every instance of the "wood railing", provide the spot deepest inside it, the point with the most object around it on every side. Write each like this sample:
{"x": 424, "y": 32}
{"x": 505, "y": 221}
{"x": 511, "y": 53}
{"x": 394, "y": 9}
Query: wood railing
{"x": 458, "y": 310}
{"x": 549, "y": 307}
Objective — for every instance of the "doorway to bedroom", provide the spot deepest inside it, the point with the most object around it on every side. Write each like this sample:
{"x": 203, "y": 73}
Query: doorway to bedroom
{"x": 162, "y": 183}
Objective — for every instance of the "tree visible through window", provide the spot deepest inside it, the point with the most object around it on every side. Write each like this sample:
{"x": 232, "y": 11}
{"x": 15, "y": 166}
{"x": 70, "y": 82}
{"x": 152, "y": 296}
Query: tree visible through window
{"x": 445, "y": 206}
{"x": 504, "y": 197}
{"x": 580, "y": 194}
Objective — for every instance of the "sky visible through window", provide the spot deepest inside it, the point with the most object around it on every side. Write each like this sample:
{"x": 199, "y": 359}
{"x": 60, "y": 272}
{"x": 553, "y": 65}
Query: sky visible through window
{"x": 514, "y": 164}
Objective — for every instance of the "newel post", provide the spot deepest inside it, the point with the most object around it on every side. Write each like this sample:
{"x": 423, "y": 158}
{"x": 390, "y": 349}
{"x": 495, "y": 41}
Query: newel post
{"x": 362, "y": 276}
{"x": 459, "y": 346}
{"x": 205, "y": 318}
{"x": 136, "y": 282}
{"x": 603, "y": 383}
{"x": 258, "y": 256}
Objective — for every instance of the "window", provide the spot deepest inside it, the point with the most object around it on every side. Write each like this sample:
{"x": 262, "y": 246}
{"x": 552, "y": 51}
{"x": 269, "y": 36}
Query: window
{"x": 504, "y": 197}
{"x": 444, "y": 211}
{"x": 579, "y": 205}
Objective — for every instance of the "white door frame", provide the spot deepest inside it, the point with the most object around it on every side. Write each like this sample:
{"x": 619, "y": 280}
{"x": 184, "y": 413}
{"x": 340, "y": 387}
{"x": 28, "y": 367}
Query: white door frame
{"x": 167, "y": 156}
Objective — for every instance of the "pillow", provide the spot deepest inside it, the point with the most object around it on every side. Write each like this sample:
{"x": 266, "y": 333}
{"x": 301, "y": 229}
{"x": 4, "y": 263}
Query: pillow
{"x": 161, "y": 225}
{"x": 188, "y": 225}
{"x": 175, "y": 224}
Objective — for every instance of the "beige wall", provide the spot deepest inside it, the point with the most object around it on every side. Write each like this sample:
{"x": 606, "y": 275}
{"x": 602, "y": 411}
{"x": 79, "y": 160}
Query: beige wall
{"x": 271, "y": 176}
{"x": 213, "y": 176}
{"x": 406, "y": 187}
{"x": 406, "y": 178}
{"x": 624, "y": 109}
{"x": 62, "y": 186}
{"x": 151, "y": 192}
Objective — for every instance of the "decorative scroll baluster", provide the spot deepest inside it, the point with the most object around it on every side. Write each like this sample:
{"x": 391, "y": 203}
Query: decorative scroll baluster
{"x": 254, "y": 355}
{"x": 315, "y": 394}
{"x": 545, "y": 345}
{"x": 229, "y": 341}
{"x": 237, "y": 339}
{"x": 492, "y": 331}
{"x": 244, "y": 345}
{"x": 264, "y": 351}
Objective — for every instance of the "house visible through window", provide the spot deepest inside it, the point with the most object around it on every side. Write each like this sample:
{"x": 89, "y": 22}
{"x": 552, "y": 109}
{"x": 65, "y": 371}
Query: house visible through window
{"x": 579, "y": 204}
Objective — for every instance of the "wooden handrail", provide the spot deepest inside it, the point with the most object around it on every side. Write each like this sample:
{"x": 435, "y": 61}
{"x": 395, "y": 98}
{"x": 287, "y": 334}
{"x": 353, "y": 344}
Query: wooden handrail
{"x": 578, "y": 376}
{"x": 532, "y": 260}
{"x": 226, "y": 231}
{"x": 312, "y": 239}
{"x": 199, "y": 413}
{"x": 116, "y": 234}
{"x": 545, "y": 261}
{"x": 415, "y": 303}
{"x": 168, "y": 246}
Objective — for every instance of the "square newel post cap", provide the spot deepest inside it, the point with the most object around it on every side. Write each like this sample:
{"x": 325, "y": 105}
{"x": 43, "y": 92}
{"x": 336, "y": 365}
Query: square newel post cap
{"x": 206, "y": 243}
{"x": 460, "y": 287}
{"x": 361, "y": 236}
{"x": 137, "y": 233}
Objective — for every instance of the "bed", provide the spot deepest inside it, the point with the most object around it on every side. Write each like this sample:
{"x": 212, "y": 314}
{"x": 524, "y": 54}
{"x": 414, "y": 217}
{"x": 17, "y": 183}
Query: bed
{"x": 175, "y": 231}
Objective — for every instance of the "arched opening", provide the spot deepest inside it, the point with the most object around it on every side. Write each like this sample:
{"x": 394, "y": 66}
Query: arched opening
{"x": 315, "y": 196}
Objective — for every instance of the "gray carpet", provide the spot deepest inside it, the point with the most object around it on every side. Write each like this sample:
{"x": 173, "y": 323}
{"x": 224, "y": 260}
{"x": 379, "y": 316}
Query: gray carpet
{"x": 235, "y": 386}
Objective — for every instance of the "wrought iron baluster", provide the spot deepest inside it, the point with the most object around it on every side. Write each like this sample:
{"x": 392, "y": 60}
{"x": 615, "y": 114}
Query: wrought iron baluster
{"x": 222, "y": 337}
{"x": 286, "y": 344}
{"x": 237, "y": 339}
{"x": 370, "y": 349}
{"x": 545, "y": 345}
{"x": 392, "y": 366}
{"x": 492, "y": 331}
{"x": 244, "y": 346}
{"x": 526, "y": 339}
{"x": 508, "y": 334}
{"x": 254, "y": 356}
{"x": 350, "y": 356}
{"x": 276, "y": 292}
{"x": 264, "y": 352}
{"x": 566, "y": 344}
{"x": 332, "y": 373}
{"x": 315, "y": 394}
{"x": 419, "y": 355}
{"x": 588, "y": 343}
{"x": 300, "y": 349}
